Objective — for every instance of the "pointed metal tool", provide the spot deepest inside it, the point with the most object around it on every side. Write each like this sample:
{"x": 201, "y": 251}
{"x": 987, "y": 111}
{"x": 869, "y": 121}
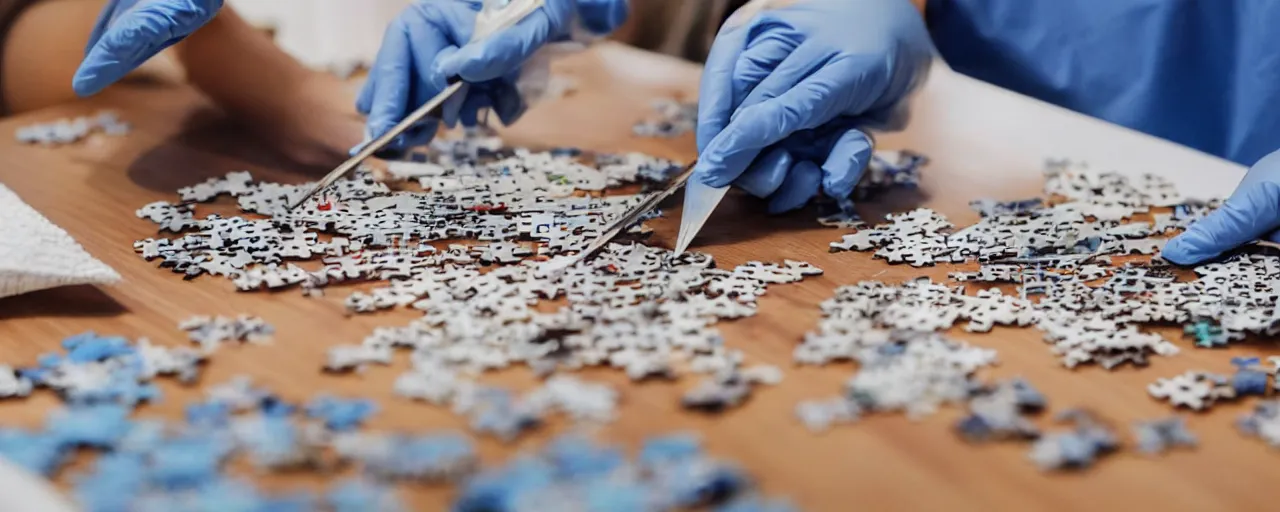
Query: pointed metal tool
{"x": 618, "y": 225}
{"x": 700, "y": 200}
{"x": 495, "y": 16}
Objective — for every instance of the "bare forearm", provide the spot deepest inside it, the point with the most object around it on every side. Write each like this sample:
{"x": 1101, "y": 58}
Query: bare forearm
{"x": 237, "y": 66}
{"x": 43, "y": 49}
{"x": 307, "y": 115}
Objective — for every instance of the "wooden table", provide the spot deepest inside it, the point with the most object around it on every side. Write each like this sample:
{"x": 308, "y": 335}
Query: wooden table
{"x": 985, "y": 142}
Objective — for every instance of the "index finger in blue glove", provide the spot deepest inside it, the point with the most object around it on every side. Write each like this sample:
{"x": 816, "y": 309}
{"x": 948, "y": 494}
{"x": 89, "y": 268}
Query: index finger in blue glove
{"x": 802, "y": 183}
{"x": 716, "y": 99}
{"x": 389, "y": 79}
{"x": 844, "y": 166}
{"x": 124, "y": 43}
{"x": 760, "y": 60}
{"x": 1245, "y": 217}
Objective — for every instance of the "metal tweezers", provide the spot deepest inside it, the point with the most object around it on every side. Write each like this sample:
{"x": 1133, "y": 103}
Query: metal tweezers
{"x": 618, "y": 225}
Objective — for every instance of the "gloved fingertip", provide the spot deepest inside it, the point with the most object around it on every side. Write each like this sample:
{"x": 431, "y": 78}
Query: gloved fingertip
{"x": 509, "y": 108}
{"x": 710, "y": 175}
{"x": 784, "y": 204}
{"x": 801, "y": 184}
{"x": 844, "y": 166}
{"x": 85, "y": 84}
{"x": 1181, "y": 252}
{"x": 96, "y": 73}
{"x": 766, "y": 174}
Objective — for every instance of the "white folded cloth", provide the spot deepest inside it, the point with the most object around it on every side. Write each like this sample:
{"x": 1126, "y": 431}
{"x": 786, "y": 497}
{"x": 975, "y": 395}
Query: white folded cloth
{"x": 36, "y": 255}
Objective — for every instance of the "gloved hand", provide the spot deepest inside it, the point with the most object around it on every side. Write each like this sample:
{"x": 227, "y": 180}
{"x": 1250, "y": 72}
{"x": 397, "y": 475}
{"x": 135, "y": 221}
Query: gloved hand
{"x": 427, "y": 44}
{"x": 129, "y": 32}
{"x": 1251, "y": 213}
{"x": 794, "y": 84}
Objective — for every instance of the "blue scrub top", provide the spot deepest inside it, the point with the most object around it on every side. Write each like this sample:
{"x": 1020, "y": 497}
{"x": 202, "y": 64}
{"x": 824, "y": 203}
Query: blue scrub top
{"x": 1203, "y": 73}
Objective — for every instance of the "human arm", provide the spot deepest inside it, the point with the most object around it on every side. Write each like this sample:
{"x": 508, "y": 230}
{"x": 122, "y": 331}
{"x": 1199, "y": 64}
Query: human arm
{"x": 1251, "y": 213}
{"x": 304, "y": 114}
{"x": 42, "y": 47}
{"x": 788, "y": 91}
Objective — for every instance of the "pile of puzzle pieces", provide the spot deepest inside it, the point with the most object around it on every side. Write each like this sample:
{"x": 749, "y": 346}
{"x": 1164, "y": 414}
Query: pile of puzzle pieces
{"x": 70, "y": 131}
{"x": 145, "y": 464}
{"x": 651, "y": 314}
{"x": 1057, "y": 255}
{"x": 572, "y": 473}
{"x": 633, "y": 307}
{"x": 1089, "y": 309}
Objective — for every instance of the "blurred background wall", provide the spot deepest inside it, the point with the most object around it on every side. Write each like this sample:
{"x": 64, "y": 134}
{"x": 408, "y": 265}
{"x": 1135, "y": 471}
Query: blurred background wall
{"x": 324, "y": 33}
{"x": 341, "y": 33}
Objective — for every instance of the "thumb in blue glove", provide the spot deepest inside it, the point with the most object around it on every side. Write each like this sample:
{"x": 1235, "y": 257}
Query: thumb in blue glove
{"x": 129, "y": 32}
{"x": 1251, "y": 213}
{"x": 799, "y": 68}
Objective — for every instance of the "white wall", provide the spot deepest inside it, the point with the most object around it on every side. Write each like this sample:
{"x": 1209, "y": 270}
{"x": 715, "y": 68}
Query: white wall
{"x": 323, "y": 33}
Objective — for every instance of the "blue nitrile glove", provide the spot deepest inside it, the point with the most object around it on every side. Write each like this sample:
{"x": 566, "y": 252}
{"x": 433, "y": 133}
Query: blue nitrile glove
{"x": 129, "y": 32}
{"x": 828, "y": 66}
{"x": 426, "y": 45}
{"x": 1251, "y": 213}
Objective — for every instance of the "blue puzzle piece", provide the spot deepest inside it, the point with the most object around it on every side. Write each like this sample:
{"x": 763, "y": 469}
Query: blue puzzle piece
{"x": 116, "y": 479}
{"x": 273, "y": 442}
{"x": 670, "y": 448}
{"x": 575, "y": 457}
{"x": 224, "y": 495}
{"x": 700, "y": 481}
{"x": 1249, "y": 382}
{"x": 89, "y": 347}
{"x": 608, "y": 496}
{"x": 357, "y": 495}
{"x": 188, "y": 461}
{"x": 1207, "y": 334}
{"x": 94, "y": 426}
{"x": 123, "y": 389}
{"x": 499, "y": 414}
{"x": 276, "y": 407}
{"x": 425, "y": 457}
{"x": 208, "y": 414}
{"x": 755, "y": 504}
{"x": 37, "y": 452}
{"x": 501, "y": 488}
{"x": 142, "y": 437}
{"x": 340, "y": 414}
{"x": 1245, "y": 363}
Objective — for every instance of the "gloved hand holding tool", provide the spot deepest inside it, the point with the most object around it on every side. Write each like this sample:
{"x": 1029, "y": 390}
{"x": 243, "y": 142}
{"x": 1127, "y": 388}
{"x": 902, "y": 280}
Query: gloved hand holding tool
{"x": 789, "y": 86}
{"x": 431, "y": 42}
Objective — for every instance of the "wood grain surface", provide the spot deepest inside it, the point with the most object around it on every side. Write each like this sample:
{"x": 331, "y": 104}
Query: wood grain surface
{"x": 884, "y": 462}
